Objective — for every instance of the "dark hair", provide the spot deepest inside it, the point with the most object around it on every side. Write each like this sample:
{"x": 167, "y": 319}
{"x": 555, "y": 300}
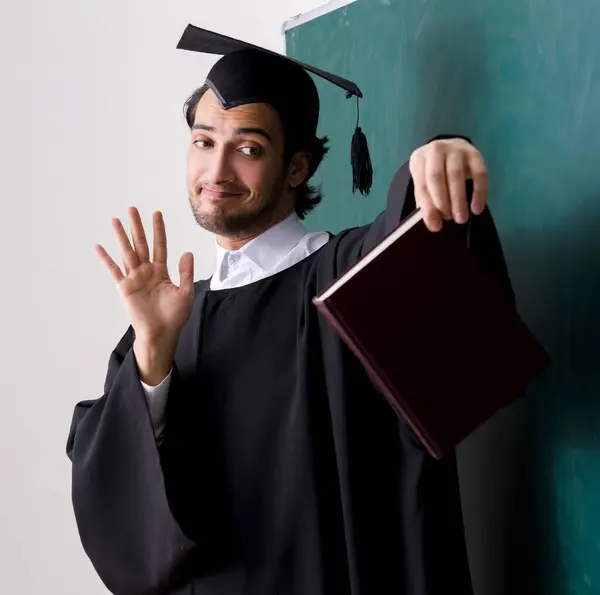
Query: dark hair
{"x": 307, "y": 196}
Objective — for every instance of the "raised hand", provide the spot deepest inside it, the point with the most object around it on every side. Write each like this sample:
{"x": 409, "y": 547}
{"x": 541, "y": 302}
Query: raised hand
{"x": 157, "y": 308}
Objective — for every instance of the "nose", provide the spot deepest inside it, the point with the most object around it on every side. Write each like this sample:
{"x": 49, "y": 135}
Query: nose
{"x": 219, "y": 169}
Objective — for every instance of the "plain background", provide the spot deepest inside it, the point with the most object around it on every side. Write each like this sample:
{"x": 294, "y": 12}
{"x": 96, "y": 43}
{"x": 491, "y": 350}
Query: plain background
{"x": 90, "y": 122}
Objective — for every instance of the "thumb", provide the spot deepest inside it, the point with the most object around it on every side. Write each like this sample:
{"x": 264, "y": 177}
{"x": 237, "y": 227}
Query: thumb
{"x": 186, "y": 272}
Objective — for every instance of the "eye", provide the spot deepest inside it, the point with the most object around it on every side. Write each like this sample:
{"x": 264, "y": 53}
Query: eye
{"x": 251, "y": 151}
{"x": 202, "y": 143}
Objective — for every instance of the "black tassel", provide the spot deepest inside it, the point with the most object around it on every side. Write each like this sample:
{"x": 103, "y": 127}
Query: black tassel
{"x": 362, "y": 169}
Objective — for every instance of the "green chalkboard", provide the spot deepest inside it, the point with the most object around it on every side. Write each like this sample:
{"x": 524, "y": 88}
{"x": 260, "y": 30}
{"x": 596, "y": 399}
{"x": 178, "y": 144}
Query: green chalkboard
{"x": 522, "y": 79}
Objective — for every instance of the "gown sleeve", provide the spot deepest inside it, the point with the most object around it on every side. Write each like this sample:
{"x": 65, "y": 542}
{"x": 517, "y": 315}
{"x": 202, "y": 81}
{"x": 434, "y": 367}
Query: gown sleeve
{"x": 118, "y": 490}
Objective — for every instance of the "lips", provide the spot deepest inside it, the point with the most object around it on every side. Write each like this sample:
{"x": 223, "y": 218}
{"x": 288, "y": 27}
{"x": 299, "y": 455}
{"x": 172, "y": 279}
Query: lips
{"x": 220, "y": 194}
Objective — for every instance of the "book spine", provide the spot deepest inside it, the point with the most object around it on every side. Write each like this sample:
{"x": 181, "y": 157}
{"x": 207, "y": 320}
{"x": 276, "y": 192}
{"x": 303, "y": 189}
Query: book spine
{"x": 336, "y": 321}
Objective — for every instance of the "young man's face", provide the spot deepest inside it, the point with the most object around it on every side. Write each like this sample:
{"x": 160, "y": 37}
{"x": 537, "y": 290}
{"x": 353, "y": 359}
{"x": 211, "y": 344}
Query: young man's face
{"x": 236, "y": 178}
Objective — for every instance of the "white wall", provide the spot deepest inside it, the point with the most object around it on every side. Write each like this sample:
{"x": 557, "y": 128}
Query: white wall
{"x": 91, "y": 122}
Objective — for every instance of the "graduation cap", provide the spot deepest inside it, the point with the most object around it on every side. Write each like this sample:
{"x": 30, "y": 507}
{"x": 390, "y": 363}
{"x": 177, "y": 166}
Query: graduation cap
{"x": 247, "y": 73}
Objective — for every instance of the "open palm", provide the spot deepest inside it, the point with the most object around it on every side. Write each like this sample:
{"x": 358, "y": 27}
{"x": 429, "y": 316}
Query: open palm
{"x": 155, "y": 305}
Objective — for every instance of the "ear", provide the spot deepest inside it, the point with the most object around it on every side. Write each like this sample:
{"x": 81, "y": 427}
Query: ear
{"x": 299, "y": 168}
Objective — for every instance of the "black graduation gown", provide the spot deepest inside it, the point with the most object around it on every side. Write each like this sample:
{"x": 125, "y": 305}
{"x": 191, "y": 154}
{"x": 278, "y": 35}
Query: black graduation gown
{"x": 283, "y": 471}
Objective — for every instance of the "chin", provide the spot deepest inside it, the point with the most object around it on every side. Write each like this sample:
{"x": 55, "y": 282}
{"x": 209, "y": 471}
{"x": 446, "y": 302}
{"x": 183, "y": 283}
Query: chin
{"x": 208, "y": 210}
{"x": 231, "y": 217}
{"x": 232, "y": 224}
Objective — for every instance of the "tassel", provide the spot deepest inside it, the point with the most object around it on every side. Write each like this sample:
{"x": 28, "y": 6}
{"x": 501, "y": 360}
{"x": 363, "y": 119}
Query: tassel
{"x": 362, "y": 169}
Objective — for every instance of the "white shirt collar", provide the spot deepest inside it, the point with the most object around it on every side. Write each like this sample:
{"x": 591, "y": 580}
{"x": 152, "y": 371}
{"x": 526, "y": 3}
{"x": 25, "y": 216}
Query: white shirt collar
{"x": 267, "y": 249}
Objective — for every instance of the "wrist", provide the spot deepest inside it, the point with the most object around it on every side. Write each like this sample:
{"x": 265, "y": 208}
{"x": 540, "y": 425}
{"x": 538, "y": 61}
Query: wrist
{"x": 154, "y": 358}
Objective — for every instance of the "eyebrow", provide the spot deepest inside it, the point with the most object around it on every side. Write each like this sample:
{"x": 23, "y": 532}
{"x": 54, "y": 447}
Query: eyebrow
{"x": 238, "y": 132}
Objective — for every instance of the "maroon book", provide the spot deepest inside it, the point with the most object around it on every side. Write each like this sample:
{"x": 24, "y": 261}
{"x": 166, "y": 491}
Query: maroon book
{"x": 461, "y": 354}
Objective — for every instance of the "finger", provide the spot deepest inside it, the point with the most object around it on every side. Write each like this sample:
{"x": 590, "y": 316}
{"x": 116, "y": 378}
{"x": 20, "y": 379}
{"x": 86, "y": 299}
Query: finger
{"x": 435, "y": 175}
{"x": 109, "y": 263}
{"x": 140, "y": 243}
{"x": 159, "y": 254}
{"x": 186, "y": 272}
{"x": 130, "y": 258}
{"x": 455, "y": 174}
{"x": 431, "y": 216}
{"x": 477, "y": 170}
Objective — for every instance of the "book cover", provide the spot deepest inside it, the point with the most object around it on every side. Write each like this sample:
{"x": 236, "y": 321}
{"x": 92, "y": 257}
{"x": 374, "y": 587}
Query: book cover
{"x": 434, "y": 331}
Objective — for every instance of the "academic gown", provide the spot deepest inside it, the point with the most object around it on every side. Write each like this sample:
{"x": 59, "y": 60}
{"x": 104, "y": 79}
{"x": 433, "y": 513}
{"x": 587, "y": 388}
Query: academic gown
{"x": 282, "y": 469}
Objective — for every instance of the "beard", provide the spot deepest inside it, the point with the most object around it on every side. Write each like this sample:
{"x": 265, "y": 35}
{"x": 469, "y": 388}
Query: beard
{"x": 249, "y": 220}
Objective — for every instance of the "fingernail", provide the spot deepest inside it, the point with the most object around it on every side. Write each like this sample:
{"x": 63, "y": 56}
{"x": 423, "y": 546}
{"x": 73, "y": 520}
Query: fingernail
{"x": 461, "y": 218}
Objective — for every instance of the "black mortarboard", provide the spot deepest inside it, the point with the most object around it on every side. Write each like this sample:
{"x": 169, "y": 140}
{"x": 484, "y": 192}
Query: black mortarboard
{"x": 250, "y": 74}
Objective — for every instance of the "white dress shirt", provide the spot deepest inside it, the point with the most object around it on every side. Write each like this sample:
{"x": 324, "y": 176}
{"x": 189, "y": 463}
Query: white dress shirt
{"x": 275, "y": 250}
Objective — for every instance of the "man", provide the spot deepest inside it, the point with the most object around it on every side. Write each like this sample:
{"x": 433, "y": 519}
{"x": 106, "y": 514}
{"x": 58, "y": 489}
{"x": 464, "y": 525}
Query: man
{"x": 239, "y": 448}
